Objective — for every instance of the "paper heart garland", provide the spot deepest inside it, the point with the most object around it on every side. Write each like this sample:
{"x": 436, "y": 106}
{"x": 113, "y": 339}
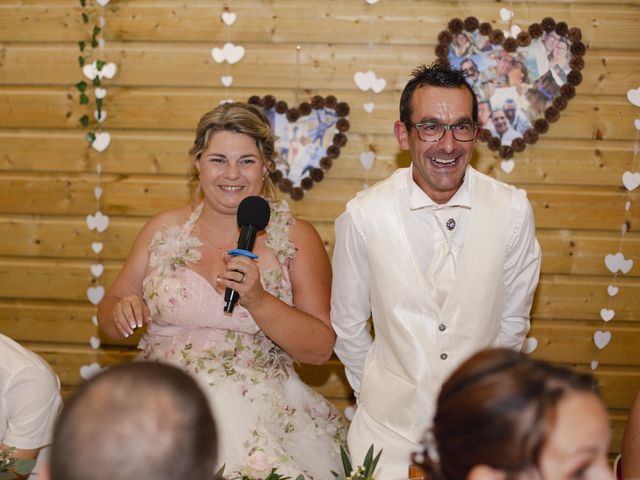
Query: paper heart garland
{"x": 612, "y": 290}
{"x": 101, "y": 141}
{"x": 631, "y": 180}
{"x": 102, "y": 3}
{"x": 96, "y": 247}
{"x": 601, "y": 339}
{"x": 507, "y": 165}
{"x": 310, "y": 137}
{"x": 95, "y": 294}
{"x": 97, "y": 269}
{"x": 368, "y": 81}
{"x": 594, "y": 364}
{"x": 229, "y": 18}
{"x": 367, "y": 159}
{"x": 98, "y": 222}
{"x": 229, "y": 52}
{"x": 368, "y": 107}
{"x": 88, "y": 371}
{"x": 515, "y": 74}
{"x": 226, "y": 80}
{"x": 530, "y": 345}
{"x": 636, "y": 123}
{"x": 618, "y": 262}
{"x": 607, "y": 314}
{"x": 633, "y": 96}
{"x": 91, "y": 71}
{"x": 94, "y": 342}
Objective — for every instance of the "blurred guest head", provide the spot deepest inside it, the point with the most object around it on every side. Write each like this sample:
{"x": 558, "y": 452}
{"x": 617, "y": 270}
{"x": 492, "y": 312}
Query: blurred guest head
{"x": 504, "y": 416}
{"x": 143, "y": 421}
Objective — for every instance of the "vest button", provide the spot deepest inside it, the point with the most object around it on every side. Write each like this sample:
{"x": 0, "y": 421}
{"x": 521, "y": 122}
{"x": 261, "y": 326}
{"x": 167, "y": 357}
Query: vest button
{"x": 442, "y": 327}
{"x": 443, "y": 356}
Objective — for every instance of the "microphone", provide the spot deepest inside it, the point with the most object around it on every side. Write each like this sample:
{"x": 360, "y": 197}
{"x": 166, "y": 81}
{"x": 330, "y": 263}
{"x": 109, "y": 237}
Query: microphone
{"x": 253, "y": 216}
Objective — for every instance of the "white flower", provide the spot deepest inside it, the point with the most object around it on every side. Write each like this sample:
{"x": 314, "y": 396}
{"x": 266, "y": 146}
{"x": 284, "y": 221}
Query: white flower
{"x": 259, "y": 461}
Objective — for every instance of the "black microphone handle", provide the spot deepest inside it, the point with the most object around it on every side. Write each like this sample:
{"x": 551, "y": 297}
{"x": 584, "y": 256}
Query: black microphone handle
{"x": 245, "y": 242}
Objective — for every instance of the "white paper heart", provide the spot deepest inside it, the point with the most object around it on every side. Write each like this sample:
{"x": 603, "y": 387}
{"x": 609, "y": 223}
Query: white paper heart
{"x": 96, "y": 247}
{"x": 88, "y": 371}
{"x": 94, "y": 320}
{"x": 100, "y": 92}
{"x": 515, "y": 30}
{"x": 226, "y": 100}
{"x": 530, "y": 345}
{"x": 618, "y": 262}
{"x": 90, "y": 71}
{"x": 368, "y": 80}
{"x": 627, "y": 205}
{"x": 594, "y": 364}
{"x": 366, "y": 160}
{"x": 97, "y": 269}
{"x": 631, "y": 180}
{"x": 371, "y": 2}
{"x": 97, "y": 192}
{"x": 229, "y": 18}
{"x": 607, "y": 314}
{"x": 100, "y": 117}
{"x": 102, "y": 2}
{"x": 507, "y": 165}
{"x": 98, "y": 222}
{"x": 102, "y": 141}
{"x": 506, "y": 14}
{"x": 229, "y": 52}
{"x": 601, "y": 339}
{"x": 226, "y": 80}
{"x": 612, "y": 290}
{"x": 108, "y": 70}
{"x": 101, "y": 43}
{"x": 368, "y": 107}
{"x": 623, "y": 228}
{"x": 636, "y": 123}
{"x": 95, "y": 294}
{"x": 94, "y": 342}
{"x": 633, "y": 96}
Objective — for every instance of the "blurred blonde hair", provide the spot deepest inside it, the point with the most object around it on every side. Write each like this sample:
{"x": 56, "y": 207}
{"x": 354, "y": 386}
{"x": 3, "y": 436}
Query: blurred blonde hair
{"x": 240, "y": 118}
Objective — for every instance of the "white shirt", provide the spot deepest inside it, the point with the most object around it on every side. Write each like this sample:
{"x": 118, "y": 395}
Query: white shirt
{"x": 350, "y": 298}
{"x": 29, "y": 397}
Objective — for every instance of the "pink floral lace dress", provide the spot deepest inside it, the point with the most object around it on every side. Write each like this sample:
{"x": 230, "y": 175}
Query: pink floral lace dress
{"x": 266, "y": 416}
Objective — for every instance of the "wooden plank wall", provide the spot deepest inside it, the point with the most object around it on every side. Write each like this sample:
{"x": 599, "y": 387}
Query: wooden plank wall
{"x": 167, "y": 78}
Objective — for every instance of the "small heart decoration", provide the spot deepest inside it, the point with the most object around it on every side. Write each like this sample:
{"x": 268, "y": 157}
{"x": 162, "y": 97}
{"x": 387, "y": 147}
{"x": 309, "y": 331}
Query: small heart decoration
{"x": 369, "y": 107}
{"x": 530, "y": 345}
{"x": 523, "y": 79}
{"x": 88, "y": 371}
{"x": 636, "y": 123}
{"x": 367, "y": 159}
{"x": 97, "y": 192}
{"x": 97, "y": 269}
{"x": 229, "y": 52}
{"x": 633, "y": 96}
{"x": 612, "y": 290}
{"x": 371, "y": 2}
{"x": 607, "y": 314}
{"x": 90, "y": 71}
{"x": 100, "y": 92}
{"x": 102, "y": 3}
{"x": 100, "y": 115}
{"x": 594, "y": 364}
{"x": 101, "y": 43}
{"x": 310, "y": 138}
{"x": 94, "y": 342}
{"x": 617, "y": 262}
{"x": 229, "y": 18}
{"x": 94, "y": 320}
{"x": 601, "y": 338}
{"x": 98, "y": 222}
{"x": 95, "y": 294}
{"x": 627, "y": 205}
{"x": 96, "y": 247}
{"x": 101, "y": 142}
{"x": 506, "y": 14}
{"x": 226, "y": 80}
{"x": 368, "y": 81}
{"x": 631, "y": 180}
{"x": 108, "y": 70}
{"x": 507, "y": 166}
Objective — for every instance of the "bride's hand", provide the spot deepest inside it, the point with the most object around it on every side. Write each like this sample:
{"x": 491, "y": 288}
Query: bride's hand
{"x": 243, "y": 275}
{"x": 130, "y": 313}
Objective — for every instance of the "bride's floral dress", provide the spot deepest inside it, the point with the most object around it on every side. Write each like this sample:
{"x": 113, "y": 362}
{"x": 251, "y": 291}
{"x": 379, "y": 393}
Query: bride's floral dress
{"x": 266, "y": 416}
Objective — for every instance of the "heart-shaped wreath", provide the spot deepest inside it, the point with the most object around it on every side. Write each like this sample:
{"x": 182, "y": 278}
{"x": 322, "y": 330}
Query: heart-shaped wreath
{"x": 522, "y": 82}
{"x": 309, "y": 139}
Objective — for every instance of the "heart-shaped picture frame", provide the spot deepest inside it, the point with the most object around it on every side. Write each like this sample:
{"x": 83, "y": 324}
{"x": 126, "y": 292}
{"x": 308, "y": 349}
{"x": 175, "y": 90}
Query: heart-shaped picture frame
{"x": 310, "y": 137}
{"x": 522, "y": 82}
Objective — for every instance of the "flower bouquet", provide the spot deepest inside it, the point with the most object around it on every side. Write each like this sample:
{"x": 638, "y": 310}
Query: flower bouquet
{"x": 361, "y": 472}
{"x": 11, "y": 467}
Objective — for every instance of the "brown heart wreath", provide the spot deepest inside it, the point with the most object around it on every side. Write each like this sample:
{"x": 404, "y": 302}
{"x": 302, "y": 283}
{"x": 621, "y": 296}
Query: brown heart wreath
{"x": 507, "y": 64}
{"x": 308, "y": 127}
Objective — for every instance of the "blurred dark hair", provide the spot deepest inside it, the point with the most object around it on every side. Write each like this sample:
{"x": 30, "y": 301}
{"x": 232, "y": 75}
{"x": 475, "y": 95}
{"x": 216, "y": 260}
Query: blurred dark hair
{"x": 497, "y": 409}
{"x": 434, "y": 75}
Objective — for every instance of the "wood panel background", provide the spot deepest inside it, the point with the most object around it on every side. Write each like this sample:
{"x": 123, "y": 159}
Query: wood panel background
{"x": 167, "y": 78}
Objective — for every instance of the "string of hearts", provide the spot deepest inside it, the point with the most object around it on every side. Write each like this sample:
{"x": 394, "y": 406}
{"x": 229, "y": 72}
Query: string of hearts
{"x": 95, "y": 71}
{"x": 229, "y": 52}
{"x": 616, "y": 263}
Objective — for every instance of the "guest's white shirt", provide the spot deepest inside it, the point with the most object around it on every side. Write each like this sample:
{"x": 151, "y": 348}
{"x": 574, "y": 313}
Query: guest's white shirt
{"x": 350, "y": 299}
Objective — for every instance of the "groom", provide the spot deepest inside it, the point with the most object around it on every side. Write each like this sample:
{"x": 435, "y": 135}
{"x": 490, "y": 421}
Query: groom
{"x": 442, "y": 257}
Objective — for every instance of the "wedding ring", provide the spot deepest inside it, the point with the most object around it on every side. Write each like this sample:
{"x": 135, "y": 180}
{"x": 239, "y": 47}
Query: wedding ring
{"x": 242, "y": 279}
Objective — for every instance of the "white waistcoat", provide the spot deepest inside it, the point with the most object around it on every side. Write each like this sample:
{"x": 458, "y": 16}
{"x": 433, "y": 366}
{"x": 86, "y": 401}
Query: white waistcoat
{"x": 417, "y": 344}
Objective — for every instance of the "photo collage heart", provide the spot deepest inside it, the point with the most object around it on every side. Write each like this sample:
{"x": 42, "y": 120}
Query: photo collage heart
{"x": 309, "y": 139}
{"x": 522, "y": 81}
